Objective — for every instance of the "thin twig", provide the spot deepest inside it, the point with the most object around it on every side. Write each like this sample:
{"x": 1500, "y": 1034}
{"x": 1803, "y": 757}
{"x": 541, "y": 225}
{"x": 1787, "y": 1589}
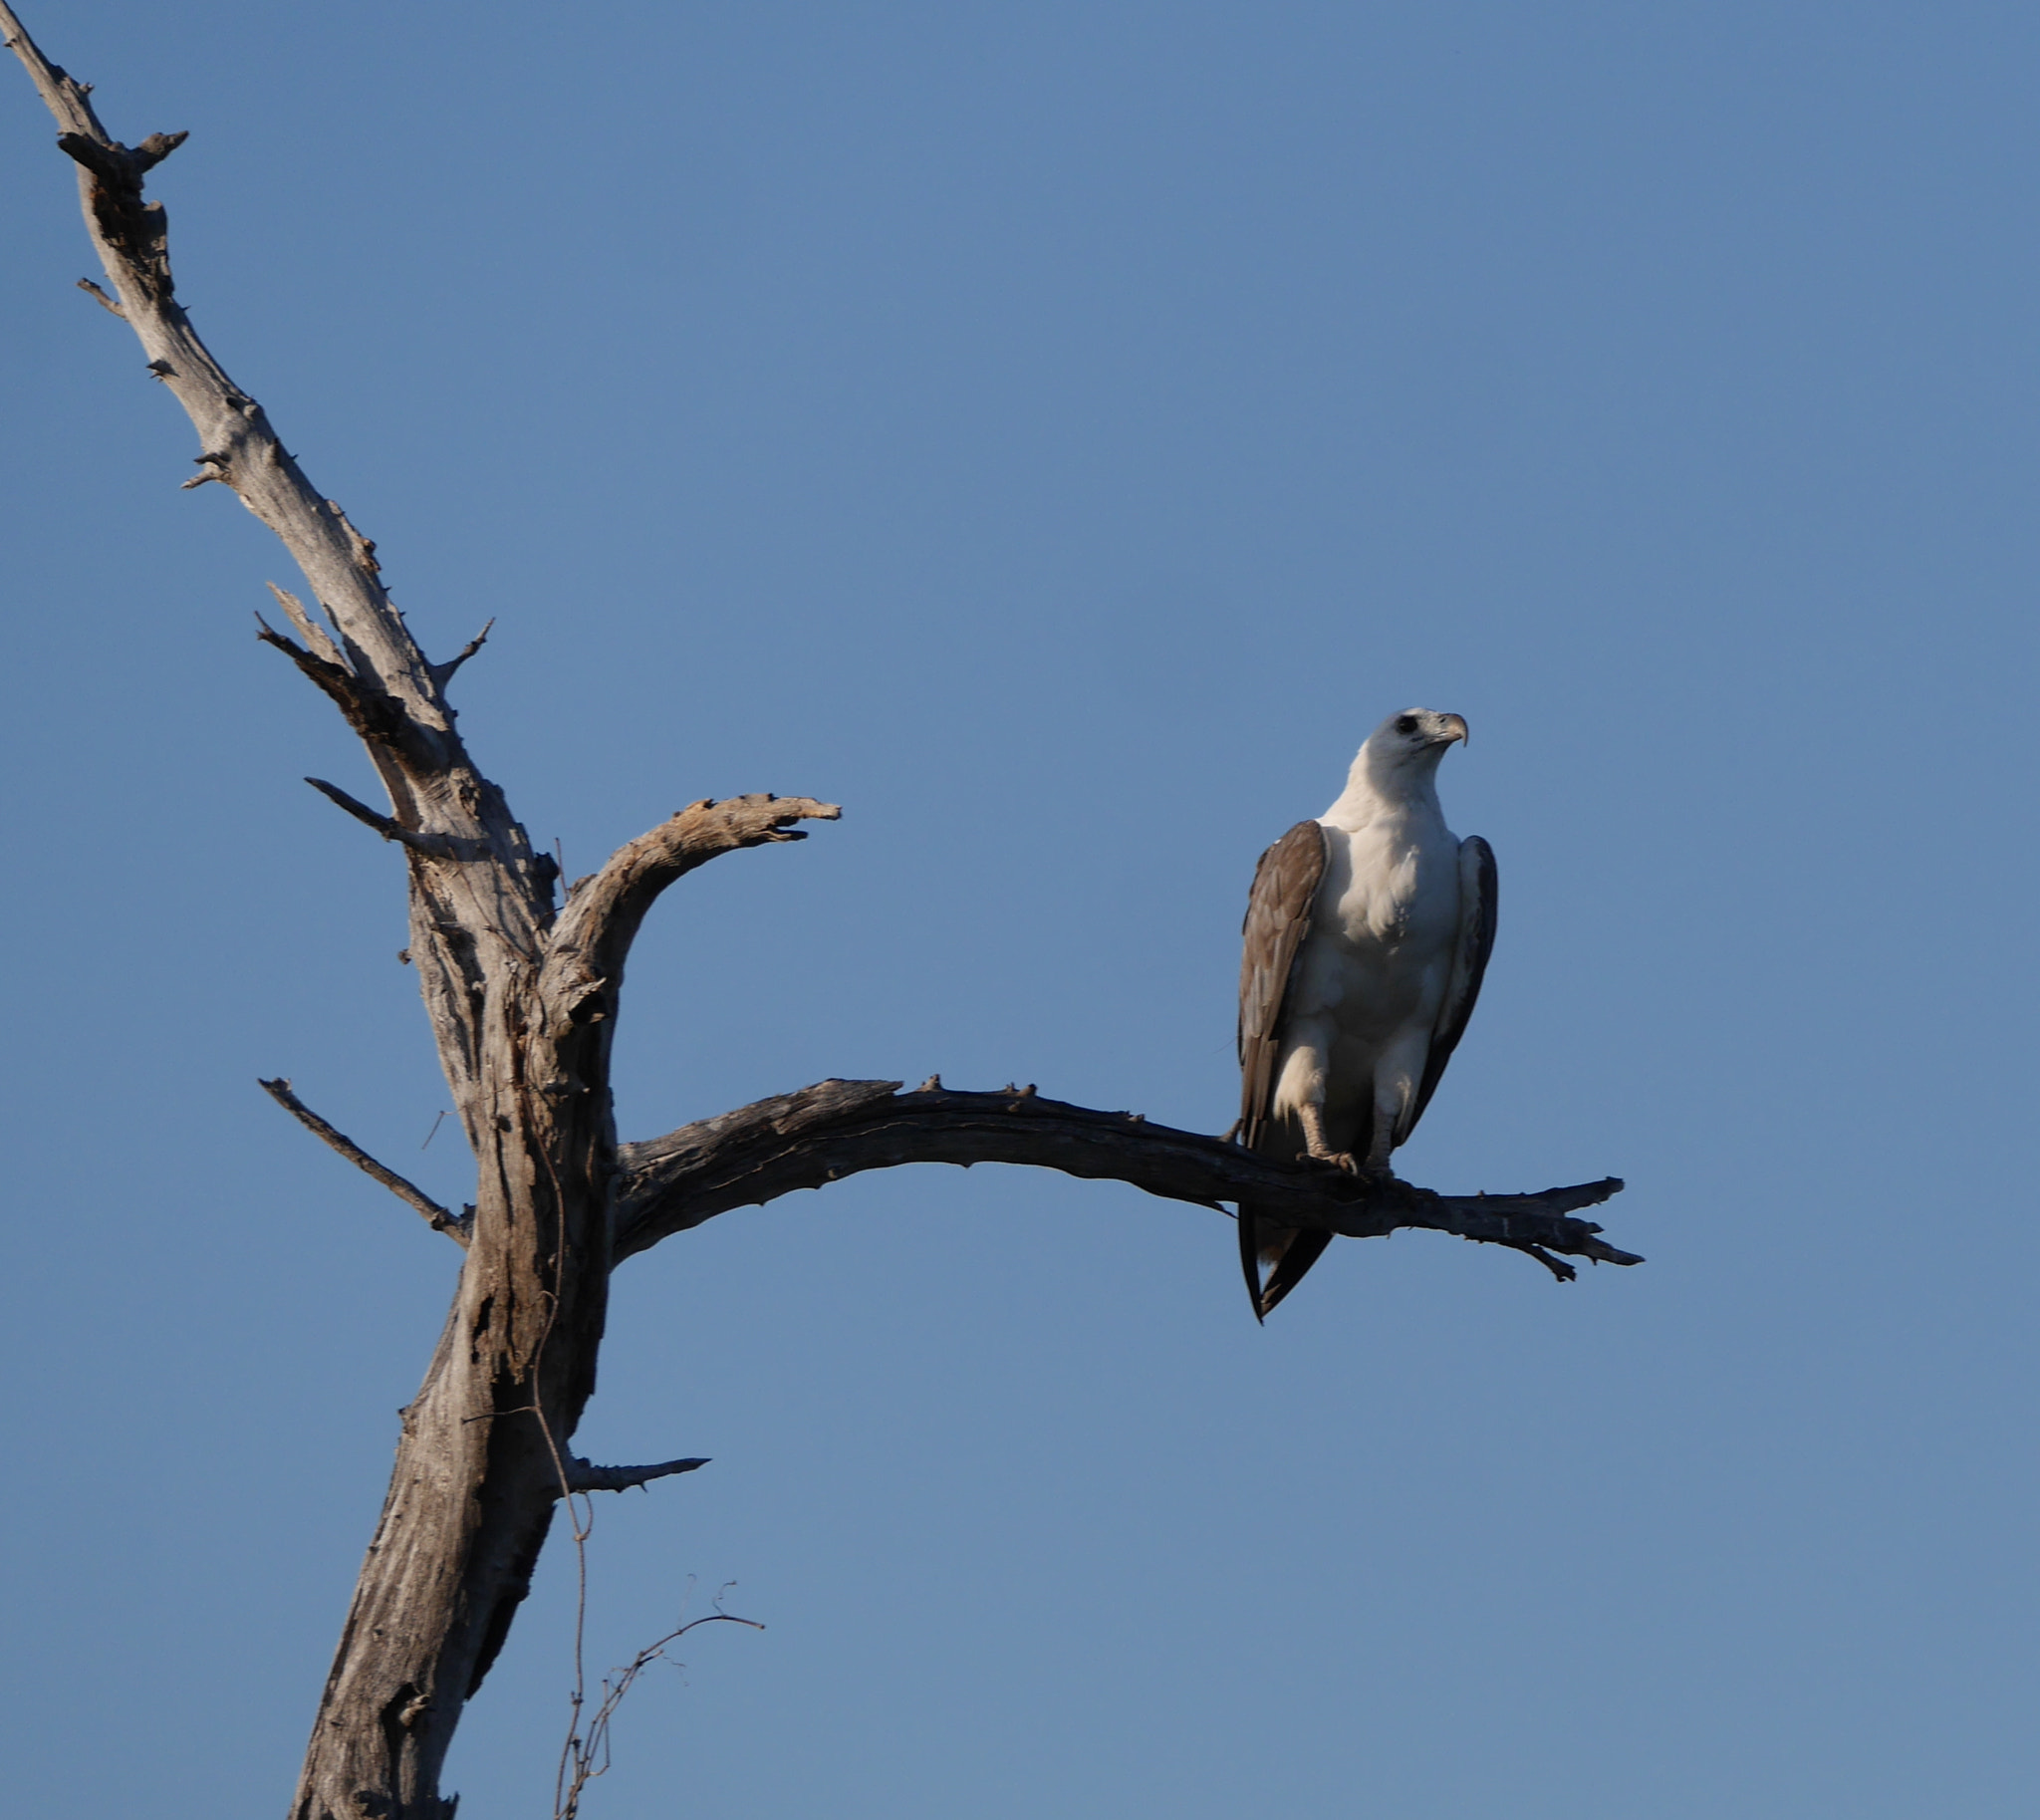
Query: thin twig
{"x": 442, "y": 673}
{"x": 436, "y": 1216}
{"x": 104, "y": 302}
{"x": 587, "y": 1757}
{"x": 435, "y": 845}
{"x": 1557, "y": 1267}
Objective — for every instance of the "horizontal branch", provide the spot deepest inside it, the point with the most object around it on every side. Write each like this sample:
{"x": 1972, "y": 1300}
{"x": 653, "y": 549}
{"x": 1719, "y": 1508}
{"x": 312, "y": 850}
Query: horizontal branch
{"x": 581, "y": 1477}
{"x": 436, "y": 1216}
{"x": 839, "y": 1127}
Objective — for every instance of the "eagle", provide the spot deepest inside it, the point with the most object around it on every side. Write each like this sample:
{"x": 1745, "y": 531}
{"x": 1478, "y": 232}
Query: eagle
{"x": 1368, "y": 932}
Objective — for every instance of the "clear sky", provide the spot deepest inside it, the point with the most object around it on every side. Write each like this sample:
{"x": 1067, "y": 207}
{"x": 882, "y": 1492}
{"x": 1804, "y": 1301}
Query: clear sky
{"x": 1059, "y": 432}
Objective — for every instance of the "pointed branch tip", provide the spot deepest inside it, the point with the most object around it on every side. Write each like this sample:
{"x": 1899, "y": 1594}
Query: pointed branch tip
{"x": 309, "y": 629}
{"x": 387, "y": 827}
{"x": 157, "y": 147}
{"x": 442, "y": 673}
{"x": 581, "y": 1477}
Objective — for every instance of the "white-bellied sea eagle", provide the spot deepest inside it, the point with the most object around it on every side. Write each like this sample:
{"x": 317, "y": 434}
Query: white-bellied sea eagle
{"x": 1368, "y": 932}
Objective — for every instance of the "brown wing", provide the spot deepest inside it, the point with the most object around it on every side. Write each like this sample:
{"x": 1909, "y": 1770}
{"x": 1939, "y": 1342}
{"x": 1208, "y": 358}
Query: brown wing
{"x": 1469, "y": 967}
{"x": 1278, "y": 915}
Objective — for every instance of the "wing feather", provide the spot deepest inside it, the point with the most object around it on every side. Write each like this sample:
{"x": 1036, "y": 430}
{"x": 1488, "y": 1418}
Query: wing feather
{"x": 1469, "y": 967}
{"x": 1278, "y": 916}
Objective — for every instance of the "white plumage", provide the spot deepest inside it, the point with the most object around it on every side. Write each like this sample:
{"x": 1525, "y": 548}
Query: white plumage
{"x": 1367, "y": 935}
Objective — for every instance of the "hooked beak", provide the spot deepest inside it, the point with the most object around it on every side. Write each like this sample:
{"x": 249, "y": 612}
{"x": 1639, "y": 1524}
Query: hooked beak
{"x": 1455, "y": 728}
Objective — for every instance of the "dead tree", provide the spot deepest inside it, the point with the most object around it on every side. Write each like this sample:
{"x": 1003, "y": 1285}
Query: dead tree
{"x": 522, "y": 987}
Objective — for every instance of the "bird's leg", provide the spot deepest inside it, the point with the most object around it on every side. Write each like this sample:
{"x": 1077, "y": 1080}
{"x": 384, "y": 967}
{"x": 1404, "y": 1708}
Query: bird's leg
{"x": 1387, "y": 1114}
{"x": 1376, "y": 1162}
{"x": 1312, "y": 1119}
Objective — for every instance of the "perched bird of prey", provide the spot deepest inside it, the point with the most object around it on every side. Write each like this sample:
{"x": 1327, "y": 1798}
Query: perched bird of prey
{"x": 1367, "y": 934}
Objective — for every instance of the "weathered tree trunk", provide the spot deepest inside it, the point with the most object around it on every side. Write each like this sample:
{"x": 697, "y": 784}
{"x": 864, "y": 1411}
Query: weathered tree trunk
{"x": 482, "y": 1459}
{"x": 522, "y": 994}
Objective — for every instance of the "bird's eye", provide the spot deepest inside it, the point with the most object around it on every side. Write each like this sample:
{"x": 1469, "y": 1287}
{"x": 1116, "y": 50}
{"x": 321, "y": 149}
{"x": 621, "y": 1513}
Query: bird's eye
{"x": 1405, "y": 723}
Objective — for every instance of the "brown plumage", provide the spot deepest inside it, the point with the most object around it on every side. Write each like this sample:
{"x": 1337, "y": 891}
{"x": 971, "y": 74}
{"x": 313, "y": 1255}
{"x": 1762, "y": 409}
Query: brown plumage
{"x": 1366, "y": 937}
{"x": 1285, "y": 887}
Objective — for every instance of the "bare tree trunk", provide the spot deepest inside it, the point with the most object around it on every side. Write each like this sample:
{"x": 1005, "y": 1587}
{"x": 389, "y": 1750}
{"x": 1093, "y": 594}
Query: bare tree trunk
{"x": 522, "y": 994}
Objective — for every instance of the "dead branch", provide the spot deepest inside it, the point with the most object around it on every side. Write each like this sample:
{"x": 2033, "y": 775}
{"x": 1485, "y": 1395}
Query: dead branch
{"x": 130, "y": 236}
{"x": 436, "y": 1216}
{"x": 824, "y": 1132}
{"x": 442, "y": 674}
{"x": 307, "y": 627}
{"x": 580, "y": 1476}
{"x": 101, "y": 299}
{"x": 584, "y": 957}
{"x": 437, "y": 846}
{"x": 326, "y": 667}
{"x": 584, "y": 1759}
{"x": 374, "y": 713}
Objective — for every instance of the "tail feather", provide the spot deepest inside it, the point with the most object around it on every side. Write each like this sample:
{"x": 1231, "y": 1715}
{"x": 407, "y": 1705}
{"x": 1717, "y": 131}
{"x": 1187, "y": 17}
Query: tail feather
{"x": 1250, "y": 1258}
{"x": 1289, "y": 1253}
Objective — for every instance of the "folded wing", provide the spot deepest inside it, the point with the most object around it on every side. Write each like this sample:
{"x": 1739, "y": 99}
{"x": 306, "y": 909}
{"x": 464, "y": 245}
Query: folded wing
{"x": 1469, "y": 966}
{"x": 1278, "y": 917}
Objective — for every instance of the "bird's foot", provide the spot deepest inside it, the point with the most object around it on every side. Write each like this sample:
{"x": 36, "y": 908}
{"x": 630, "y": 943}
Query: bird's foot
{"x": 1373, "y": 1176}
{"x": 1339, "y": 1160}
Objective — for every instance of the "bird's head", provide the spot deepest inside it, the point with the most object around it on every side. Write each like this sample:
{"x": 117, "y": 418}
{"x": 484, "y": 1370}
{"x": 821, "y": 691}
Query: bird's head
{"x": 1401, "y": 754}
{"x": 1409, "y": 744}
{"x": 1399, "y": 762}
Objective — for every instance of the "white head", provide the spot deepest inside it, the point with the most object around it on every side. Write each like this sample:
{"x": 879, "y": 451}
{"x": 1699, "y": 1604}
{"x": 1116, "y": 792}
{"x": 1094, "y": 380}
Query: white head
{"x": 1403, "y": 753}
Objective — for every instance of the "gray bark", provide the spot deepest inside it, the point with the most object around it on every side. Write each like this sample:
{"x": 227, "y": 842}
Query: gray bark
{"x": 522, "y": 994}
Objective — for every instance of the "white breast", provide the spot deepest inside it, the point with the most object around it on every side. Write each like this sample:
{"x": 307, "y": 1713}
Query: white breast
{"x": 1383, "y": 930}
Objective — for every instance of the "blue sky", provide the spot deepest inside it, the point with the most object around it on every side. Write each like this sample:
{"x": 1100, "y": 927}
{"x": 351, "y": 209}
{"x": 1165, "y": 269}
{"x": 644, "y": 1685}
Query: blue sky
{"x": 1059, "y": 434}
